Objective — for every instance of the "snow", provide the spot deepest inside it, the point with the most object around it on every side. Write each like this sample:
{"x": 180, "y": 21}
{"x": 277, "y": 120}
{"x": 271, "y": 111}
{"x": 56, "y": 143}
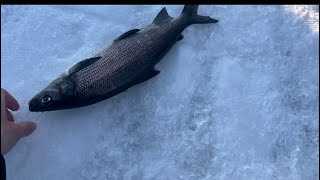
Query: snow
{"x": 234, "y": 100}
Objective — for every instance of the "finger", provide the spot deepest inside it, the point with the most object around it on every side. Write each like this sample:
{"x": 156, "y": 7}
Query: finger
{"x": 9, "y": 115}
{"x": 4, "y": 121}
{"x": 10, "y": 101}
{"x": 3, "y": 103}
{"x": 25, "y": 128}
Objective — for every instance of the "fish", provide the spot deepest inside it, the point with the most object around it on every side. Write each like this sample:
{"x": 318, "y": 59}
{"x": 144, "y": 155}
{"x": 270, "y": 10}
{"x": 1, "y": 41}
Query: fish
{"x": 129, "y": 60}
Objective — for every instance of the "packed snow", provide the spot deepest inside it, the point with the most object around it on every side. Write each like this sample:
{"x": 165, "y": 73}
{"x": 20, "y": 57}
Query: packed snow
{"x": 234, "y": 100}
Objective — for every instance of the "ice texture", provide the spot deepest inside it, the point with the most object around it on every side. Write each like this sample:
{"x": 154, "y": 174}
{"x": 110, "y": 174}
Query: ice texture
{"x": 234, "y": 100}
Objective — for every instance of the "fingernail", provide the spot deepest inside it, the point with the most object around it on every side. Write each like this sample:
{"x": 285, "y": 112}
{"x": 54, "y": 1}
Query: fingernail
{"x": 34, "y": 126}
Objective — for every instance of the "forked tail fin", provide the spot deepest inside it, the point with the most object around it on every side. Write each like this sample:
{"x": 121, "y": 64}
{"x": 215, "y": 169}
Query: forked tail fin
{"x": 191, "y": 12}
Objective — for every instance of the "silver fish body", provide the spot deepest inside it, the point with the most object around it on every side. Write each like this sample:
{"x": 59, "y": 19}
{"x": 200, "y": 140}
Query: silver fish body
{"x": 128, "y": 61}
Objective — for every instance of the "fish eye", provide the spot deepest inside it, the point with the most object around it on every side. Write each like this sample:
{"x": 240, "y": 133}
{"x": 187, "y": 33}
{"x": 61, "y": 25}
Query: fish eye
{"x": 46, "y": 100}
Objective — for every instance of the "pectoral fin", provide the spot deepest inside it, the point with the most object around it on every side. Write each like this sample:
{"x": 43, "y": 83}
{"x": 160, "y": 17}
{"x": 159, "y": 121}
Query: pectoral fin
{"x": 127, "y": 34}
{"x": 180, "y": 37}
{"x": 82, "y": 64}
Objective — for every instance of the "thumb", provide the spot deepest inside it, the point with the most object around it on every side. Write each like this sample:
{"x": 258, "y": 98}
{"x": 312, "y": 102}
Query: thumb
{"x": 25, "y": 128}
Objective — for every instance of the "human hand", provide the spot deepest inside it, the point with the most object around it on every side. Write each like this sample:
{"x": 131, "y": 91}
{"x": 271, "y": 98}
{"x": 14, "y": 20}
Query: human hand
{"x": 12, "y": 132}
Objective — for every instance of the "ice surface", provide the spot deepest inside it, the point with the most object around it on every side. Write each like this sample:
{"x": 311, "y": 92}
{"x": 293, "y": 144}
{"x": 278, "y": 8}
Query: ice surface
{"x": 234, "y": 100}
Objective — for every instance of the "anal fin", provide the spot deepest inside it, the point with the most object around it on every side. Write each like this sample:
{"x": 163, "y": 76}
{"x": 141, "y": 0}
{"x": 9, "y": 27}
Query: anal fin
{"x": 147, "y": 76}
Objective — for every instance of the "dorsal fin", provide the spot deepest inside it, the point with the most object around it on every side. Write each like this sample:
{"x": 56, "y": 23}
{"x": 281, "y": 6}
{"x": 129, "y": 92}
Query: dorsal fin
{"x": 162, "y": 17}
{"x": 82, "y": 64}
{"x": 127, "y": 34}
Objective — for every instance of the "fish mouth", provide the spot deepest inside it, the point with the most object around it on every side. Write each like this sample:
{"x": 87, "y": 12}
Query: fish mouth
{"x": 33, "y": 106}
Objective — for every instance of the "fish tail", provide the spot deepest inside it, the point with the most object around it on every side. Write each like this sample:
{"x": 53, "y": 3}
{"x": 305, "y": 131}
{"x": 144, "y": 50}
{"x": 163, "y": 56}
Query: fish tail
{"x": 191, "y": 12}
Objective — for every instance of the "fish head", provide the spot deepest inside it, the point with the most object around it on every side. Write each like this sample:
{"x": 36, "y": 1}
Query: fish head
{"x": 59, "y": 94}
